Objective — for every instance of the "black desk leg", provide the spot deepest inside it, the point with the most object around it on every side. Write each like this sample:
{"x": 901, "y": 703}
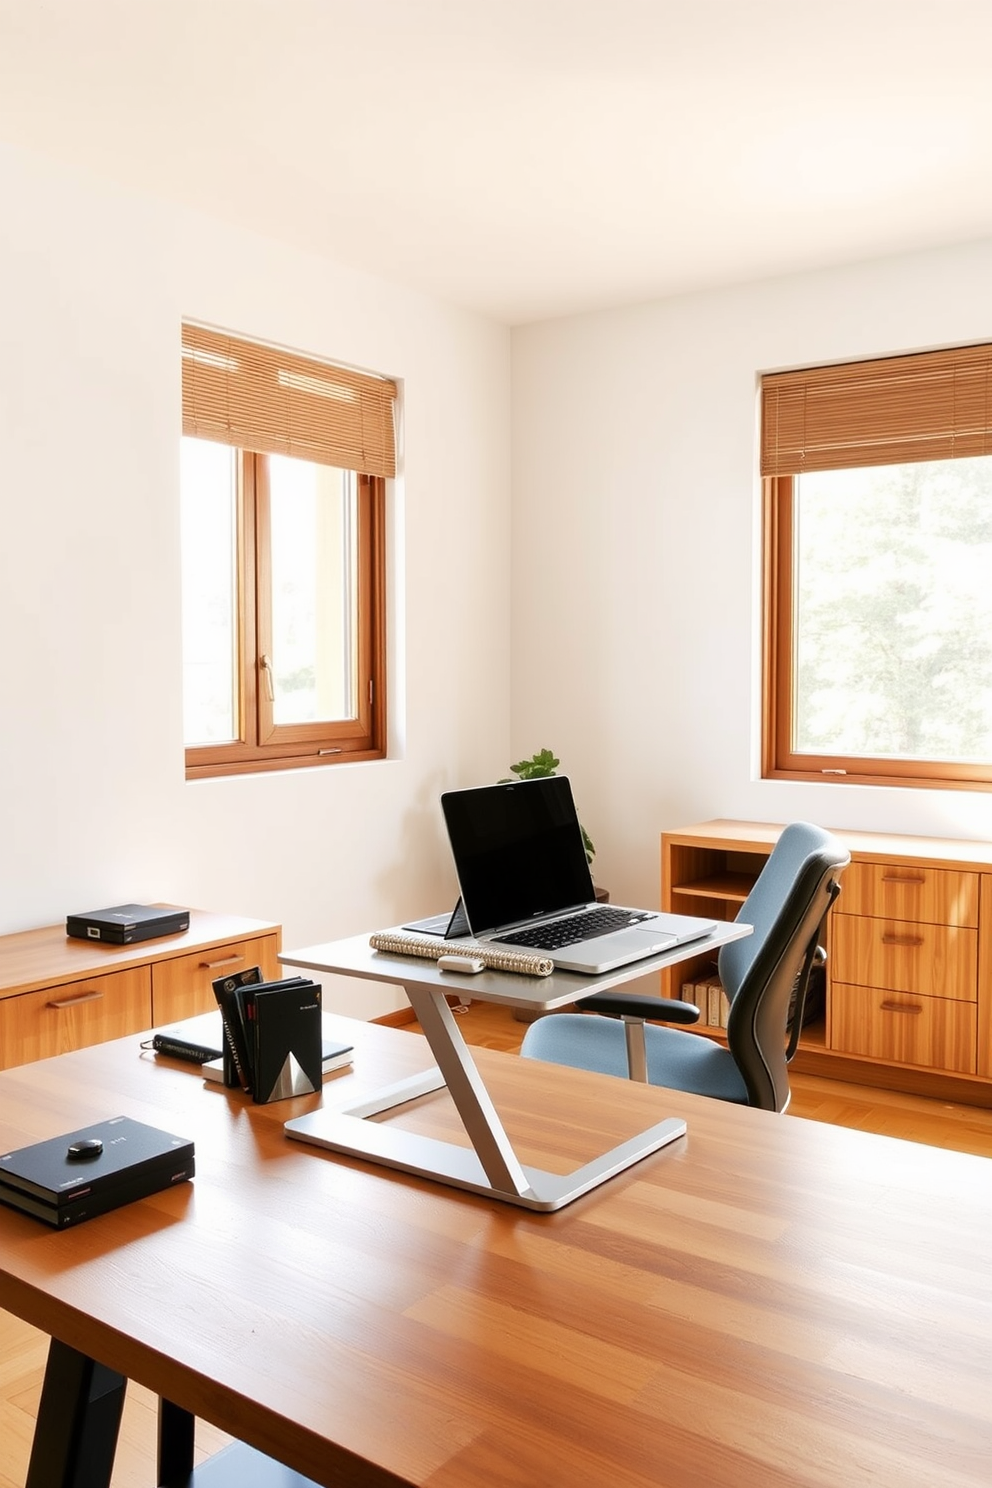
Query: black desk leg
{"x": 79, "y": 1418}
{"x": 176, "y": 1430}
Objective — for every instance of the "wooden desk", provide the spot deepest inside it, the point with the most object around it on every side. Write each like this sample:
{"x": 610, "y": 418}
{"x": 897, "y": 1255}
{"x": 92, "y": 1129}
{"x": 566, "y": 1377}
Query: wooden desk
{"x": 766, "y": 1303}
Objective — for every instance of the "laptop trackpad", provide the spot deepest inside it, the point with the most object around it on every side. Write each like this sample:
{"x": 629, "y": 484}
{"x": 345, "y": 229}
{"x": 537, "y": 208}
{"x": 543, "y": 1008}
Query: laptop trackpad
{"x": 660, "y": 939}
{"x": 629, "y": 943}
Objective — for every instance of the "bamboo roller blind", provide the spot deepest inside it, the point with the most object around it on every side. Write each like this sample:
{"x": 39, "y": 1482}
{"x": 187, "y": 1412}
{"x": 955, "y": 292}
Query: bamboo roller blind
{"x": 930, "y": 406}
{"x": 275, "y": 402}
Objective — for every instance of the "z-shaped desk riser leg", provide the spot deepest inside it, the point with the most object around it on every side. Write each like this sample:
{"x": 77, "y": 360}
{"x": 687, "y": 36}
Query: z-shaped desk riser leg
{"x": 490, "y": 1166}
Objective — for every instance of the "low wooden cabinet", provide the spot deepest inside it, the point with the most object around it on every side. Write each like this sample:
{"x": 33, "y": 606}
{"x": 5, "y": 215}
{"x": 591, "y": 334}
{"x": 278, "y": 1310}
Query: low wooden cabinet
{"x": 58, "y": 994}
{"x": 38, "y": 1025}
{"x": 909, "y": 951}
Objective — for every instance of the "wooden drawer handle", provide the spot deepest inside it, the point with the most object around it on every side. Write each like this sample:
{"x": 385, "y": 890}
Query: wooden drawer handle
{"x": 901, "y": 1007}
{"x": 225, "y": 961}
{"x": 67, "y": 1002}
{"x": 914, "y": 879}
{"x": 902, "y": 940}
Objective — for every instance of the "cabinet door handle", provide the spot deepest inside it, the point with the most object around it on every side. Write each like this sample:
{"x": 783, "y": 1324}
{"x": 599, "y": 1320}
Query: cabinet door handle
{"x": 901, "y": 1007}
{"x": 902, "y": 940}
{"x": 67, "y": 1002}
{"x": 225, "y": 961}
{"x": 915, "y": 879}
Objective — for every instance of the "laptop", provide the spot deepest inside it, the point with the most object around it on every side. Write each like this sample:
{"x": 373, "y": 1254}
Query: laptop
{"x": 525, "y": 883}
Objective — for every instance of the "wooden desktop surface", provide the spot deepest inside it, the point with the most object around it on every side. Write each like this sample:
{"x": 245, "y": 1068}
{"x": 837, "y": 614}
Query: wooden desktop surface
{"x": 767, "y": 1302}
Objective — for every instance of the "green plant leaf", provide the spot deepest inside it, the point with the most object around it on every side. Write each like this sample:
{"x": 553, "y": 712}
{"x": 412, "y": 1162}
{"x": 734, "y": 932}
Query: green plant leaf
{"x": 538, "y": 767}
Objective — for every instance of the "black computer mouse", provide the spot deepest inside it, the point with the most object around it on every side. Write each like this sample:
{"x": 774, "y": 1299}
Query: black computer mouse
{"x": 86, "y": 1147}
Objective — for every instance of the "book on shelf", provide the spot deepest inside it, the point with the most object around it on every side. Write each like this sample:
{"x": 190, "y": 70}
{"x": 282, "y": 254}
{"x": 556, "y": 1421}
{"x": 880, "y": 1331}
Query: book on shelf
{"x": 706, "y": 992}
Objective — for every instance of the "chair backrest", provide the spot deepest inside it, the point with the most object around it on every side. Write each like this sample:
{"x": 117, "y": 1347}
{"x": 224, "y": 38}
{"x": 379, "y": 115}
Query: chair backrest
{"x": 786, "y": 907}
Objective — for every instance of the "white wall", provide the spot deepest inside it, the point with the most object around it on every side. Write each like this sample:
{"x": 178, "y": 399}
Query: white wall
{"x": 636, "y": 547}
{"x": 96, "y": 809}
{"x": 634, "y": 593}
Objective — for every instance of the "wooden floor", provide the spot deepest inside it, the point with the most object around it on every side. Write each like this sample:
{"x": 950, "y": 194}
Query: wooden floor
{"x": 23, "y": 1350}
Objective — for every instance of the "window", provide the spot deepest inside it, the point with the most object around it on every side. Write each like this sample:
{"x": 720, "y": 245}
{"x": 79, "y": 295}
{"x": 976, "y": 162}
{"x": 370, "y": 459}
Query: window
{"x": 283, "y": 471}
{"x": 878, "y": 571}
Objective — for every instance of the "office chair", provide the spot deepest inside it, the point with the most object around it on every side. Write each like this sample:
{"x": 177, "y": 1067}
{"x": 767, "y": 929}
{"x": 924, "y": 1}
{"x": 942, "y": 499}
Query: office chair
{"x": 760, "y": 973}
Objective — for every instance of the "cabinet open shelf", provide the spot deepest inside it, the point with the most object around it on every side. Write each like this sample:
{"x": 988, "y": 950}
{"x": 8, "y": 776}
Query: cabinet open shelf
{"x": 734, "y": 887}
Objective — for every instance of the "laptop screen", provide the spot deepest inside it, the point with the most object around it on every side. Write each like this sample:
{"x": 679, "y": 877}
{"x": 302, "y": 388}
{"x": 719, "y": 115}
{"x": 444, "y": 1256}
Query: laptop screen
{"x": 518, "y": 851}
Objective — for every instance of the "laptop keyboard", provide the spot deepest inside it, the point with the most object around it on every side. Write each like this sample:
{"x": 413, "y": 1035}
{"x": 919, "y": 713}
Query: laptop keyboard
{"x": 586, "y": 926}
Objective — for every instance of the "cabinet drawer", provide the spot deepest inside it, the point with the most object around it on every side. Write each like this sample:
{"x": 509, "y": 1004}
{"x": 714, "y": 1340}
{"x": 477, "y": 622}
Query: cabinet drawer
{"x": 37, "y": 1025}
{"x": 905, "y": 891}
{"x": 903, "y": 1029}
{"x": 904, "y": 956}
{"x": 181, "y": 986}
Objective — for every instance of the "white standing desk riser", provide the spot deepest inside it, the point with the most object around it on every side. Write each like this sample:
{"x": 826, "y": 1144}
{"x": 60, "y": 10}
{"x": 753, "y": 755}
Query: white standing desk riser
{"x": 490, "y": 1166}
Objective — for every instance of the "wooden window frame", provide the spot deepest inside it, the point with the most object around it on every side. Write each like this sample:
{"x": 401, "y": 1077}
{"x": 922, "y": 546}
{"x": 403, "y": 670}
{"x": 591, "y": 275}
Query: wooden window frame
{"x": 922, "y": 406}
{"x": 262, "y": 745}
{"x": 778, "y": 758}
{"x": 262, "y": 400}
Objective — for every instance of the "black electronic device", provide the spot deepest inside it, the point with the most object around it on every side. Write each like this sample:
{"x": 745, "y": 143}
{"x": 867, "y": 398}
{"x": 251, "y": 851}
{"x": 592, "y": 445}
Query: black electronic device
{"x": 525, "y": 883}
{"x": 84, "y": 1150}
{"x": 125, "y": 923}
{"x": 81, "y": 1174}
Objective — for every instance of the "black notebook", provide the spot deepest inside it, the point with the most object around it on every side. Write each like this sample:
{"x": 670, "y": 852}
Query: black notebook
{"x": 195, "y": 1040}
{"x": 287, "y": 1040}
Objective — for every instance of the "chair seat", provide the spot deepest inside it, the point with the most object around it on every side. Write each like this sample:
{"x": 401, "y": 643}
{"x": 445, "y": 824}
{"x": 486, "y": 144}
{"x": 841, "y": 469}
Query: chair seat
{"x": 682, "y": 1061}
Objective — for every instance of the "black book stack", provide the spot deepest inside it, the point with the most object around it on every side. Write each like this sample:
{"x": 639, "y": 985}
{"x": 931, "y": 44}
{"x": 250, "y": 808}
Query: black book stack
{"x": 272, "y": 1033}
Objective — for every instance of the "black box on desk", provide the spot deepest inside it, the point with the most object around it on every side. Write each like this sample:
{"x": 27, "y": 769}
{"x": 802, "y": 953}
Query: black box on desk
{"x": 124, "y": 923}
{"x": 134, "y": 1161}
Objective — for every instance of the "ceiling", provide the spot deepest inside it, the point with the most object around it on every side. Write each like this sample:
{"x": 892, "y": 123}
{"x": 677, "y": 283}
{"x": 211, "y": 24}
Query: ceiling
{"x": 529, "y": 158}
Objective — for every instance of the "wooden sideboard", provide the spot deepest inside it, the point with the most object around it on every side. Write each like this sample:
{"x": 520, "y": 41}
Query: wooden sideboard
{"x": 58, "y": 994}
{"x": 909, "y": 951}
